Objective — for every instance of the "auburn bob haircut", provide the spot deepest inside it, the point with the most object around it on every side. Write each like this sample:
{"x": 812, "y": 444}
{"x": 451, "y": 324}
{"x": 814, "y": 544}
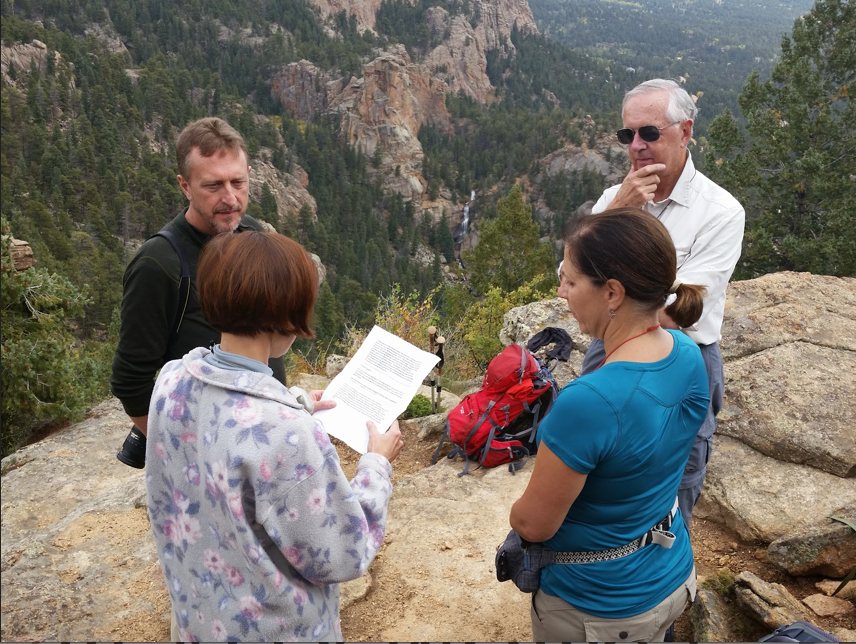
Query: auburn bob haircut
{"x": 257, "y": 282}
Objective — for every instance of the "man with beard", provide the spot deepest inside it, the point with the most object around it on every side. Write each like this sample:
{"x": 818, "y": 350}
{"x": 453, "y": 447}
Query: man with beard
{"x": 161, "y": 317}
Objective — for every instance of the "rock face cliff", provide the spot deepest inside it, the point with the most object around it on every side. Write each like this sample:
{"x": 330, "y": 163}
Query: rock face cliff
{"x": 21, "y": 57}
{"x": 394, "y": 96}
{"x": 384, "y": 109}
{"x": 609, "y": 159}
{"x": 364, "y": 11}
{"x": 78, "y": 560}
{"x": 381, "y": 112}
{"x": 460, "y": 61}
{"x": 304, "y": 90}
{"x": 288, "y": 188}
{"x": 494, "y": 18}
{"x": 497, "y": 18}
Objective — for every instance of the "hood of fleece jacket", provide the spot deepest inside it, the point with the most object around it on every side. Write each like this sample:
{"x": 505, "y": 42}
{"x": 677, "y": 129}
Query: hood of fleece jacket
{"x": 247, "y": 382}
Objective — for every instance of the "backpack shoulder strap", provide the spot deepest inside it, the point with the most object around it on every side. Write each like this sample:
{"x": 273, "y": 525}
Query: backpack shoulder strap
{"x": 183, "y": 282}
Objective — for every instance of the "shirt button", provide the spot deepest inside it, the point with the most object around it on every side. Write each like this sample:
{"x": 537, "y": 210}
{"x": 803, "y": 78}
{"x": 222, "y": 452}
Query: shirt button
{"x": 623, "y": 635}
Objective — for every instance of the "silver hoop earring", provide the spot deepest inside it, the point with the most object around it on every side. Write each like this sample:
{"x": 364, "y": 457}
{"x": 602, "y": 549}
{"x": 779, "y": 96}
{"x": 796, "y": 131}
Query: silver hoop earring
{"x": 611, "y": 314}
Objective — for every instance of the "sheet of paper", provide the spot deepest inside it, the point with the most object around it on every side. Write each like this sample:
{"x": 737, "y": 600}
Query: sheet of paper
{"x": 377, "y": 384}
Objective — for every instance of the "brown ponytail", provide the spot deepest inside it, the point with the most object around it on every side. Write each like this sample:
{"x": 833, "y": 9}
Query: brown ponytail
{"x": 688, "y": 305}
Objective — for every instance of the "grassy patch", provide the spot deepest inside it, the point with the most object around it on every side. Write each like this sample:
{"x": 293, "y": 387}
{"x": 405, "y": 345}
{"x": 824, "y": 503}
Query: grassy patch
{"x": 722, "y": 583}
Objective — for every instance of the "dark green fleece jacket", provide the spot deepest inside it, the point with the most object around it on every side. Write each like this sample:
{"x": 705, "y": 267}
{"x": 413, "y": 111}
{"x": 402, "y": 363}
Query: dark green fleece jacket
{"x": 150, "y": 303}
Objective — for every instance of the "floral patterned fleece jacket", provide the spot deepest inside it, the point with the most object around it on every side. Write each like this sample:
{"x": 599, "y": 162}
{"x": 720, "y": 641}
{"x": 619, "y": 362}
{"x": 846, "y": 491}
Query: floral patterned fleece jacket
{"x": 254, "y": 520}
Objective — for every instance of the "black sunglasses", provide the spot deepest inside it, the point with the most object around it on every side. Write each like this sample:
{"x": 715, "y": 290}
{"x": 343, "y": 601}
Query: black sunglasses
{"x": 648, "y": 133}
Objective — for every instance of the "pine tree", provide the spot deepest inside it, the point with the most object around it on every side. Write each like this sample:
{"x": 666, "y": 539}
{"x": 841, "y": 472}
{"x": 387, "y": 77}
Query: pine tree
{"x": 445, "y": 241}
{"x": 509, "y": 252}
{"x": 269, "y": 207}
{"x": 329, "y": 317}
{"x": 794, "y": 173}
{"x": 42, "y": 378}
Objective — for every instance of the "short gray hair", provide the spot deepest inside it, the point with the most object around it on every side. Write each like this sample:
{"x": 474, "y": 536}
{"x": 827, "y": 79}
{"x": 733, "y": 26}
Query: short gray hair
{"x": 681, "y": 106}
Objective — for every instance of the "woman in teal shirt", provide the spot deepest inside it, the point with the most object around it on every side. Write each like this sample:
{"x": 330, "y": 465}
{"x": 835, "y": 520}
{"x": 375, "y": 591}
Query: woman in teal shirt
{"x": 613, "y": 448}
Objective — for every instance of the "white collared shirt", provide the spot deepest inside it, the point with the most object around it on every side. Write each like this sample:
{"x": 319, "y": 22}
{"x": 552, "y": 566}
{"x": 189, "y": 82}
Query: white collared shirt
{"x": 706, "y": 225}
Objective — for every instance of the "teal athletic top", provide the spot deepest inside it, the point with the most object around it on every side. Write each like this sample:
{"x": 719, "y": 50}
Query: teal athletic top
{"x": 629, "y": 426}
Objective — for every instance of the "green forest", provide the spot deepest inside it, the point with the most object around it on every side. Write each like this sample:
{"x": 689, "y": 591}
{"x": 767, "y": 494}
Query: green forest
{"x": 713, "y": 44}
{"x": 88, "y": 171}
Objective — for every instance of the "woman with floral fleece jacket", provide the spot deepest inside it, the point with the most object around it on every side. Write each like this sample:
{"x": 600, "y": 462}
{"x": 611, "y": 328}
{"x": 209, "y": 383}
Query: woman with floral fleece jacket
{"x": 254, "y": 520}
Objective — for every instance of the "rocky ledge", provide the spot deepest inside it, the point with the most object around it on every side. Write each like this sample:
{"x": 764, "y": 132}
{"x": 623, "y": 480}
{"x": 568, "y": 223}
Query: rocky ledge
{"x": 78, "y": 559}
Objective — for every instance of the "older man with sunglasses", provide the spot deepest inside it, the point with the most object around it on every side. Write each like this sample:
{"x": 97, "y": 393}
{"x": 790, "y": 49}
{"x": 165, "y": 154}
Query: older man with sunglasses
{"x": 706, "y": 225}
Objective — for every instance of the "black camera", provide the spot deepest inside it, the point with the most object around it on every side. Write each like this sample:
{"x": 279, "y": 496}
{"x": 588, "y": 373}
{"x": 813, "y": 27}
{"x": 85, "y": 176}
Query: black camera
{"x": 134, "y": 449}
{"x": 502, "y": 567}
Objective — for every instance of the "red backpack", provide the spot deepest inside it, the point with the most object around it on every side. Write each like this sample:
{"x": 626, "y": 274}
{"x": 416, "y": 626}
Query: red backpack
{"x": 498, "y": 424}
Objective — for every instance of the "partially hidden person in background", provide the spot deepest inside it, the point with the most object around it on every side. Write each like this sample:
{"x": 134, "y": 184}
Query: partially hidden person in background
{"x": 161, "y": 319}
{"x": 614, "y": 447}
{"x": 254, "y": 521}
{"x": 706, "y": 225}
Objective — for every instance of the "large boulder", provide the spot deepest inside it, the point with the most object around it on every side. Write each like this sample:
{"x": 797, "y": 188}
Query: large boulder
{"x": 794, "y": 402}
{"x": 762, "y": 498}
{"x": 789, "y": 343}
{"x": 426, "y": 426}
{"x": 309, "y": 381}
{"x": 789, "y": 307}
{"x": 709, "y": 616}
{"x": 827, "y": 547}
{"x": 523, "y": 322}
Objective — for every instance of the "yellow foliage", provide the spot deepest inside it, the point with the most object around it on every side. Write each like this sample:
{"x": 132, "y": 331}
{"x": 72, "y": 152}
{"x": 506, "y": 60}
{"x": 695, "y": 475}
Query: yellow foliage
{"x": 408, "y": 317}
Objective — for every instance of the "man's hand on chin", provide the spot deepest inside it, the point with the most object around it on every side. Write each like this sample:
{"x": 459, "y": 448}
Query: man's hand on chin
{"x": 638, "y": 187}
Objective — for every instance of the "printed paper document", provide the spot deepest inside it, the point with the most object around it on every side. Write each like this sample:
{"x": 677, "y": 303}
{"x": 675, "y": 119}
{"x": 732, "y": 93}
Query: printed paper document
{"x": 377, "y": 384}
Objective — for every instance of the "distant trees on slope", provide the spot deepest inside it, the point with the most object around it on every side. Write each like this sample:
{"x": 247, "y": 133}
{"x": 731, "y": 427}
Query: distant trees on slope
{"x": 794, "y": 168}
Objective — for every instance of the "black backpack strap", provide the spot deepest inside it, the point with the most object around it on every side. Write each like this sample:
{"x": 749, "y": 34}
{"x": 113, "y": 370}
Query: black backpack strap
{"x": 521, "y": 455}
{"x": 442, "y": 440}
{"x": 485, "y": 450}
{"x": 183, "y": 282}
{"x": 478, "y": 424}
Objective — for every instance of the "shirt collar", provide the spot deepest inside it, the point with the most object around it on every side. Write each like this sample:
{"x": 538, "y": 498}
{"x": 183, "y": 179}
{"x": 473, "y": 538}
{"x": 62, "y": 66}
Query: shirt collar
{"x": 195, "y": 235}
{"x": 681, "y": 191}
